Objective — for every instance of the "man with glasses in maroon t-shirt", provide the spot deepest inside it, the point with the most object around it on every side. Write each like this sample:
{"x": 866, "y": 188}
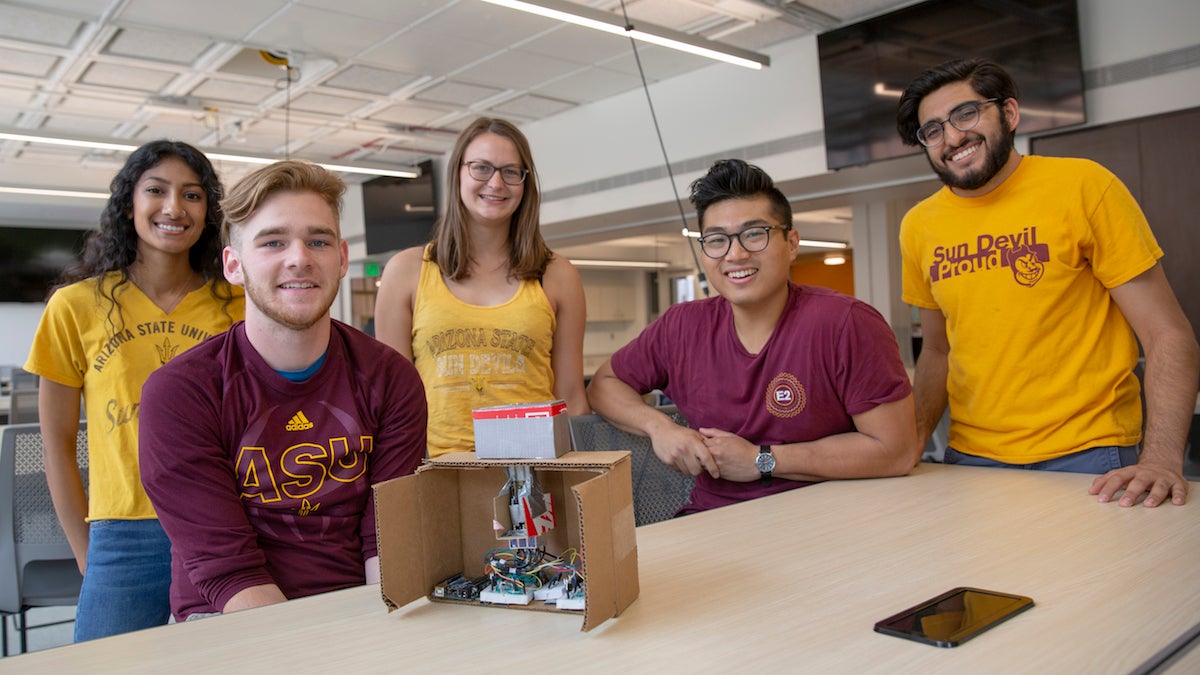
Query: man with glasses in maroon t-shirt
{"x": 782, "y": 385}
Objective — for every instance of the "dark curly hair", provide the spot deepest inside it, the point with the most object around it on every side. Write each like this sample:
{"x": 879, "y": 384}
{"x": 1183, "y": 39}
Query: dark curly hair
{"x": 987, "y": 78}
{"x": 736, "y": 179}
{"x": 113, "y": 248}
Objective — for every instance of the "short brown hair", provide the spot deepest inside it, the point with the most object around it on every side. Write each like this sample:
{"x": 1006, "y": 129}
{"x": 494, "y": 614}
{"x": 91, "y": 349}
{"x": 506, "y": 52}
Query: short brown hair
{"x": 290, "y": 174}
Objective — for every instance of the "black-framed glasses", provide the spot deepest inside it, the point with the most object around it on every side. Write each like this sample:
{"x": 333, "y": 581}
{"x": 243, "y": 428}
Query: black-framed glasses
{"x": 482, "y": 172}
{"x": 751, "y": 239}
{"x": 963, "y": 118}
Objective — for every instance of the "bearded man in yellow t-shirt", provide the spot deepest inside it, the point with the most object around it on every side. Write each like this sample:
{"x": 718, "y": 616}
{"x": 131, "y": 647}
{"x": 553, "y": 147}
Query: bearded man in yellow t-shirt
{"x": 1035, "y": 278}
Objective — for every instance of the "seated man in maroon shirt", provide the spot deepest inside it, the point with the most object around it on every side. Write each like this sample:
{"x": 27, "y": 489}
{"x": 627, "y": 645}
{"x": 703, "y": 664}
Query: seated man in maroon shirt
{"x": 259, "y": 447}
{"x": 782, "y": 385}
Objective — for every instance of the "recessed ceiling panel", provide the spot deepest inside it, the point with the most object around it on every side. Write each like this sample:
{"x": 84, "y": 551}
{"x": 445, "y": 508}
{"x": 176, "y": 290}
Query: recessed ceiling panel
{"x": 41, "y": 28}
{"x": 327, "y": 103}
{"x": 534, "y": 107}
{"x": 17, "y": 62}
{"x": 126, "y": 77}
{"x": 428, "y": 52}
{"x": 594, "y": 85}
{"x": 578, "y": 45}
{"x": 238, "y": 92}
{"x": 405, "y": 113}
{"x": 83, "y": 104}
{"x": 154, "y": 45}
{"x": 515, "y": 69}
{"x": 457, "y": 93}
{"x": 222, "y": 19}
{"x": 370, "y": 80}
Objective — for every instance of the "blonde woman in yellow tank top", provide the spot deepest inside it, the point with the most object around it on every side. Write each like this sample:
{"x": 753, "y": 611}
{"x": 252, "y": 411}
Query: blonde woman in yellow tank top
{"x": 486, "y": 312}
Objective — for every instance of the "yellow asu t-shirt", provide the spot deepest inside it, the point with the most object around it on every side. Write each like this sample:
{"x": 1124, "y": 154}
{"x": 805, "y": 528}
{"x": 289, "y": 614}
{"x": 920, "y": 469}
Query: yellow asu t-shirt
{"x": 83, "y": 341}
{"x": 1041, "y": 358}
{"x": 474, "y": 357}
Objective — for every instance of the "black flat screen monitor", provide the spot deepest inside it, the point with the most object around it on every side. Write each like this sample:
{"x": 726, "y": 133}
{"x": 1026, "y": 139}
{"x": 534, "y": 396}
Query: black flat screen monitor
{"x": 399, "y": 213}
{"x": 33, "y": 258}
{"x": 865, "y": 66}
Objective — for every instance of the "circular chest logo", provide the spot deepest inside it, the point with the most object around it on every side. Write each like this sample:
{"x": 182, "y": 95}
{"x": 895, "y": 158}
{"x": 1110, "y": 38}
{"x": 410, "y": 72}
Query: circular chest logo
{"x": 785, "y": 396}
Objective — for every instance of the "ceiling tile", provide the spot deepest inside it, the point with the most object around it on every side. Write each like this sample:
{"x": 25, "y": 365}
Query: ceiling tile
{"x": 157, "y": 45}
{"x": 370, "y": 80}
{"x": 126, "y": 77}
{"x": 238, "y": 92}
{"x": 405, "y": 113}
{"x": 91, "y": 105}
{"x": 222, "y": 19}
{"x": 594, "y": 85}
{"x": 323, "y": 32}
{"x": 428, "y": 52}
{"x": 519, "y": 70}
{"x": 41, "y": 28}
{"x": 457, "y": 93}
{"x": 533, "y": 107}
{"x": 326, "y": 103}
{"x": 578, "y": 44}
{"x": 25, "y": 63}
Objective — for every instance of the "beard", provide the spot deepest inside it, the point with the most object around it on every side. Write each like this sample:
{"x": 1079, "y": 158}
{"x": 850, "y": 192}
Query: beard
{"x": 997, "y": 157}
{"x": 294, "y": 318}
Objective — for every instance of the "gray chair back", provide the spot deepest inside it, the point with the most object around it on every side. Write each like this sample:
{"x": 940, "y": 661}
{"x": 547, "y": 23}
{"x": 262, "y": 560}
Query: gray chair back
{"x": 37, "y": 567}
{"x": 658, "y": 490}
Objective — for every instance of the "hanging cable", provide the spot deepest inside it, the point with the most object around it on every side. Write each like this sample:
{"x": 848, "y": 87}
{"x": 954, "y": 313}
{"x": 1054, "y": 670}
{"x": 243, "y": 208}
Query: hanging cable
{"x": 663, "y": 147}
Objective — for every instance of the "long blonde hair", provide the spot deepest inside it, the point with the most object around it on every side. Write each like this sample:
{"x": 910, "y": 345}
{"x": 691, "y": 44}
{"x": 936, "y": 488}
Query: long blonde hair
{"x": 528, "y": 254}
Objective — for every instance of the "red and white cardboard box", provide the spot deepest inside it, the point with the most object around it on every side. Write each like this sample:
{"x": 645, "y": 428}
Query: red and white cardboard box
{"x": 522, "y": 431}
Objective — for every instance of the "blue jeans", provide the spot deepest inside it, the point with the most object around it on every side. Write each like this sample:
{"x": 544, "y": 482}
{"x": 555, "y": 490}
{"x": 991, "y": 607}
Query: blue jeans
{"x": 127, "y": 584}
{"x": 1094, "y": 460}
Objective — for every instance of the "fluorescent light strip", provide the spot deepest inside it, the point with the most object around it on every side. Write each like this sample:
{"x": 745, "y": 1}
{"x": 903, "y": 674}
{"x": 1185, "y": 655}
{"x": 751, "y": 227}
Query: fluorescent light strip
{"x": 818, "y": 243}
{"x": 39, "y": 192}
{"x": 620, "y": 263}
{"x": 663, "y": 37}
{"x": 214, "y": 156}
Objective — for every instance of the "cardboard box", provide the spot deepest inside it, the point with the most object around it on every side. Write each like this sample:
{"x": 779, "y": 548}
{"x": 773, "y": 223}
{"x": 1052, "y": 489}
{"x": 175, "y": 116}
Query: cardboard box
{"x": 522, "y": 431}
{"x": 438, "y": 522}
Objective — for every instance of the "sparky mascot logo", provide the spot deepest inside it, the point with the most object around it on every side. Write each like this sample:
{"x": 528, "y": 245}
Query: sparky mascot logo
{"x": 1027, "y": 266}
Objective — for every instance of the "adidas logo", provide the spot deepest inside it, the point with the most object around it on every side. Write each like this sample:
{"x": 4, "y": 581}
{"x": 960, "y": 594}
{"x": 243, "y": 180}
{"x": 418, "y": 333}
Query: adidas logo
{"x": 299, "y": 422}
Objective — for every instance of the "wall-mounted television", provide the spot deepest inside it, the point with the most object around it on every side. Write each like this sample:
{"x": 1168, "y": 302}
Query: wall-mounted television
{"x": 399, "y": 213}
{"x": 865, "y": 66}
{"x": 32, "y": 259}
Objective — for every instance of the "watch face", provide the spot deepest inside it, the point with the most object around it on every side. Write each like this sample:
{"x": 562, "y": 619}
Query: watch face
{"x": 765, "y": 462}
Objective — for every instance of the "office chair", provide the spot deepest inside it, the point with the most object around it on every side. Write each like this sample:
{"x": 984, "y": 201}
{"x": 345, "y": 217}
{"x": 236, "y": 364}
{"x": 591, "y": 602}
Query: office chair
{"x": 658, "y": 490}
{"x": 37, "y": 567}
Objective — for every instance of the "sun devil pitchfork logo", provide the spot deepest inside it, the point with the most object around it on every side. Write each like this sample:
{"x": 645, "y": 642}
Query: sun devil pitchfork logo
{"x": 785, "y": 396}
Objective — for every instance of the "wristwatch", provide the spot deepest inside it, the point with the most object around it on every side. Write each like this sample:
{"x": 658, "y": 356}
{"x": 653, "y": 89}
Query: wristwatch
{"x": 765, "y": 463}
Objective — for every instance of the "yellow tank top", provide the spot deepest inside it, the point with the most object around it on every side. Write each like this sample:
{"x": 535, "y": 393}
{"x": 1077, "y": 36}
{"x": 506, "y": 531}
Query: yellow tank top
{"x": 471, "y": 357}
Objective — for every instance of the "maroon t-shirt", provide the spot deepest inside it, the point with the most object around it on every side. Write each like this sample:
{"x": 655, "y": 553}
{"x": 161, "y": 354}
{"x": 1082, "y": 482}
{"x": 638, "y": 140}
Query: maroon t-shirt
{"x": 830, "y": 357}
{"x": 258, "y": 480}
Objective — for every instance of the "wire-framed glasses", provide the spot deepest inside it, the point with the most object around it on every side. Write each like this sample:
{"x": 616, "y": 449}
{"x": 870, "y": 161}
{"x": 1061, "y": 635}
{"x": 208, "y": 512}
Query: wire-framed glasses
{"x": 751, "y": 239}
{"x": 482, "y": 172}
{"x": 963, "y": 118}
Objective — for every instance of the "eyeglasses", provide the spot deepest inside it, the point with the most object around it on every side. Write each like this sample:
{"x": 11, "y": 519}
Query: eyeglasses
{"x": 751, "y": 239}
{"x": 482, "y": 172}
{"x": 963, "y": 118}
